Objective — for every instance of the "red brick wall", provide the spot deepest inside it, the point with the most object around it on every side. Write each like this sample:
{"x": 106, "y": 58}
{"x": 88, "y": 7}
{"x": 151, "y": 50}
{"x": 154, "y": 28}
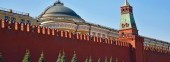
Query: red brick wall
{"x": 155, "y": 56}
{"x": 13, "y": 44}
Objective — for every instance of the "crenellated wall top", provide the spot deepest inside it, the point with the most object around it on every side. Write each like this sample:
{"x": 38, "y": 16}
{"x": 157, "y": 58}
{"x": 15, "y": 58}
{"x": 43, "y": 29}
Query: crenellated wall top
{"x": 58, "y": 33}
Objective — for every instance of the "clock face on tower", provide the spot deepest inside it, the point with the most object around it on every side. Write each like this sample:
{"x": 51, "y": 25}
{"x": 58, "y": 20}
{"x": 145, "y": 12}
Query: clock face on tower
{"x": 127, "y": 21}
{"x": 124, "y": 23}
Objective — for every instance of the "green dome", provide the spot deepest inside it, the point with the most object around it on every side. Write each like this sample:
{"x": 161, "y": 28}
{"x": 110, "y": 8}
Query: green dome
{"x": 59, "y": 10}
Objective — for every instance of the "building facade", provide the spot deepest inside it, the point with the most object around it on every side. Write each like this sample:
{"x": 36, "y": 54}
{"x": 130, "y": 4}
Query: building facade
{"x": 61, "y": 35}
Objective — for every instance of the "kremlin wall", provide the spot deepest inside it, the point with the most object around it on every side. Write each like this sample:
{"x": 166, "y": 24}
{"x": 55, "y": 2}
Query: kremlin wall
{"x": 47, "y": 39}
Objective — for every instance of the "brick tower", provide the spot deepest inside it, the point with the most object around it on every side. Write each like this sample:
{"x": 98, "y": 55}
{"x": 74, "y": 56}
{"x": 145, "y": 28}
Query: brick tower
{"x": 129, "y": 33}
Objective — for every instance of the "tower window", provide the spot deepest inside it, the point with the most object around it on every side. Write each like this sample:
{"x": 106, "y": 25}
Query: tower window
{"x": 126, "y": 8}
{"x": 123, "y": 10}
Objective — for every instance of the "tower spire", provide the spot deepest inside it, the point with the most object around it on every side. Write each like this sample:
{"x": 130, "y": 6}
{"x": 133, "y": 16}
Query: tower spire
{"x": 59, "y": 1}
{"x": 126, "y": 3}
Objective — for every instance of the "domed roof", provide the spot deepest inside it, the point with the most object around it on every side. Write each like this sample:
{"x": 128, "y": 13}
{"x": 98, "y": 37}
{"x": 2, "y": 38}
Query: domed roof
{"x": 59, "y": 10}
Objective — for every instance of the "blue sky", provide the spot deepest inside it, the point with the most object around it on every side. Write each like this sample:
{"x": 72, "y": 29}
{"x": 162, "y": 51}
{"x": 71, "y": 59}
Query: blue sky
{"x": 152, "y": 16}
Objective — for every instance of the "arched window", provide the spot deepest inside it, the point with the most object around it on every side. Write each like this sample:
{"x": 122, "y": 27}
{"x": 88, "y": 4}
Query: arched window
{"x": 99, "y": 35}
{"x": 94, "y": 34}
{"x": 28, "y": 22}
{"x": 103, "y": 35}
{"x": 22, "y": 21}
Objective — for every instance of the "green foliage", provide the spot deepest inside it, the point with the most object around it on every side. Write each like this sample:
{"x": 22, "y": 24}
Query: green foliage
{"x": 63, "y": 57}
{"x": 86, "y": 60}
{"x": 74, "y": 58}
{"x": 59, "y": 57}
{"x": 111, "y": 60}
{"x": 105, "y": 59}
{"x": 99, "y": 60}
{"x": 42, "y": 58}
{"x": 27, "y": 57}
{"x": 90, "y": 59}
{"x": 116, "y": 60}
{"x": 1, "y": 57}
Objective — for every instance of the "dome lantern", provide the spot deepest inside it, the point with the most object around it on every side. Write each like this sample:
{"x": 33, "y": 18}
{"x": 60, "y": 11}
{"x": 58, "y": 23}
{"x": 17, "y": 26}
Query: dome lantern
{"x": 58, "y": 3}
